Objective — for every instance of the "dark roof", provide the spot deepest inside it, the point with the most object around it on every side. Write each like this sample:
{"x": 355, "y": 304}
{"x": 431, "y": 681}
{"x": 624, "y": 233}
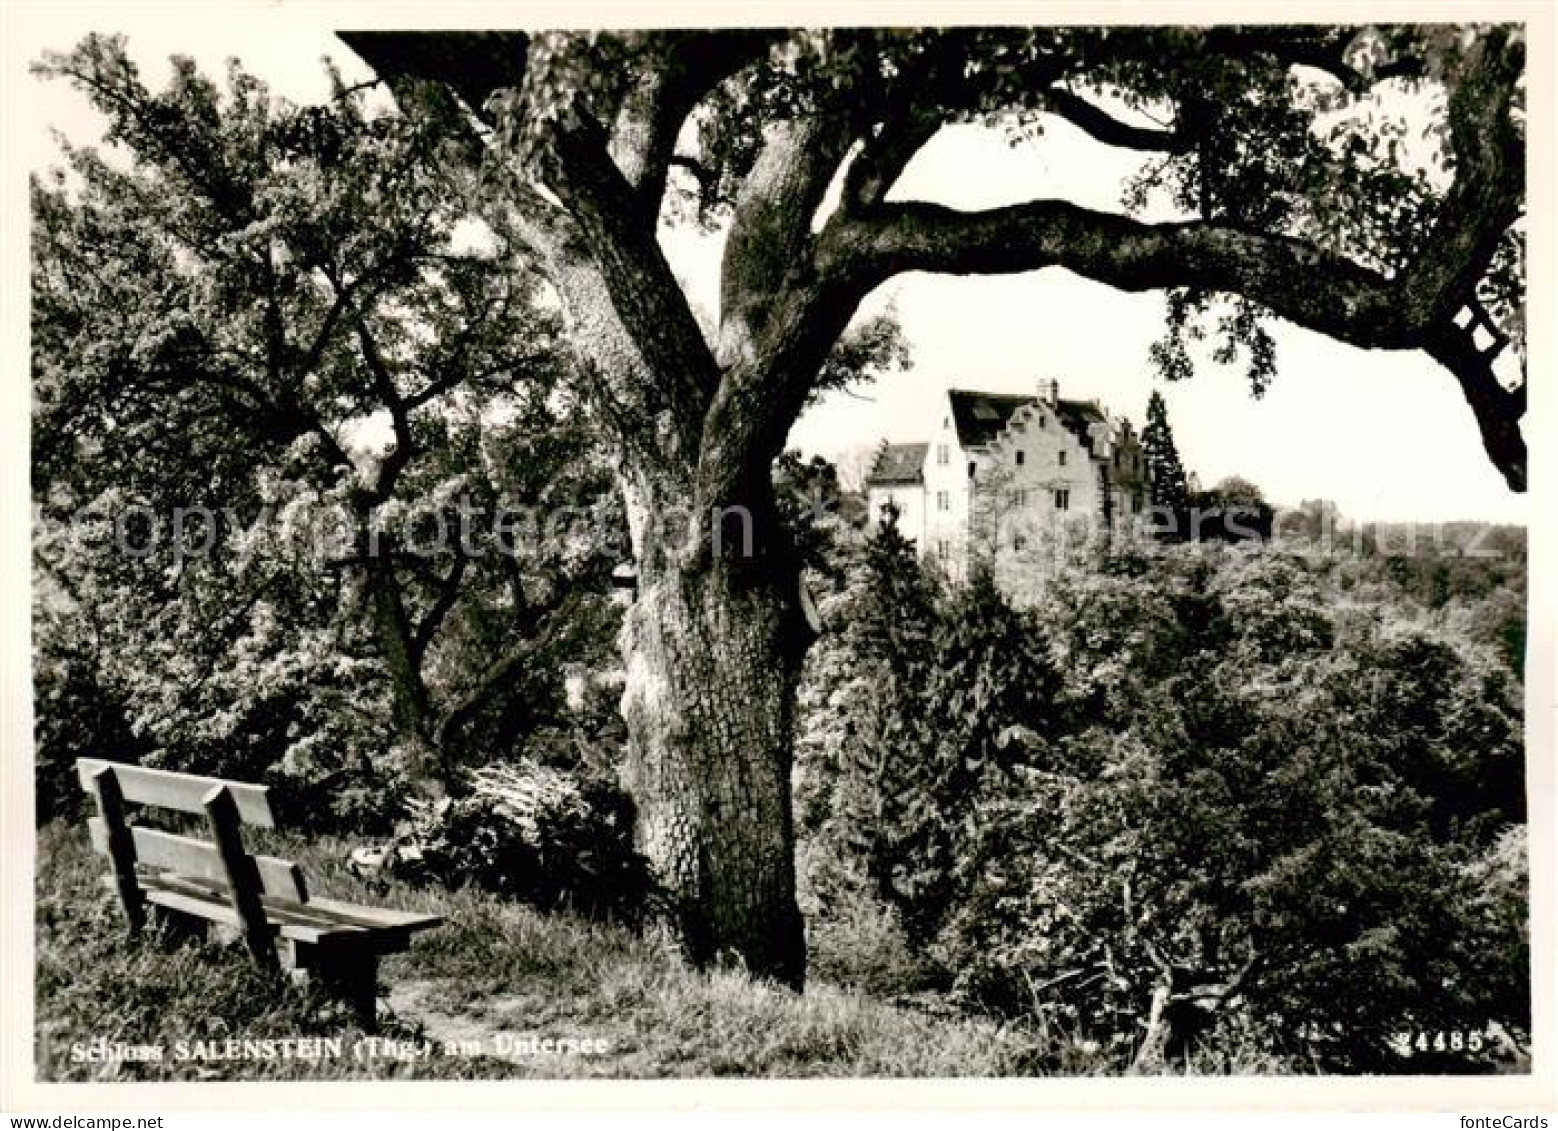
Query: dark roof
{"x": 1077, "y": 416}
{"x": 980, "y": 417}
{"x": 899, "y": 463}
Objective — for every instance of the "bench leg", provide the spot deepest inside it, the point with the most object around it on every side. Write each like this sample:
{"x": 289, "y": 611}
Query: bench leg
{"x": 351, "y": 976}
{"x": 121, "y": 847}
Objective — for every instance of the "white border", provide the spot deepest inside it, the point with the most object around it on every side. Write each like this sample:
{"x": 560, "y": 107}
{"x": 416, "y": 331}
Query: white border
{"x": 18, "y": 1091}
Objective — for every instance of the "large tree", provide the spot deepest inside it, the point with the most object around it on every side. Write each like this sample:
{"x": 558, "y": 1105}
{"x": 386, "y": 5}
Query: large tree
{"x": 1165, "y": 472}
{"x": 581, "y": 144}
{"x": 265, "y": 315}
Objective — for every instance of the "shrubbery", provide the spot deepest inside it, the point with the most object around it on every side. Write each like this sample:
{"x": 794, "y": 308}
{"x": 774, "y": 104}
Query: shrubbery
{"x": 537, "y": 834}
{"x": 951, "y": 681}
{"x": 1195, "y": 798}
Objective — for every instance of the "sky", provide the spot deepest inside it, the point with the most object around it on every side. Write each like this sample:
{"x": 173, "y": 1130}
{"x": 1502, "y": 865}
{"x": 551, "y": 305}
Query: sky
{"x": 1385, "y": 435}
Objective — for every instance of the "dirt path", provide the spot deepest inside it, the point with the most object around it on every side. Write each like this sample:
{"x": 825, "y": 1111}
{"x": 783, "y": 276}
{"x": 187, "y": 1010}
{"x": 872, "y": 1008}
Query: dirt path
{"x": 509, "y": 1027}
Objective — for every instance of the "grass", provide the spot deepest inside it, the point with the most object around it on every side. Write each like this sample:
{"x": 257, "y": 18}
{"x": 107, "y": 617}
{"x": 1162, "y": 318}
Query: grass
{"x": 495, "y": 971}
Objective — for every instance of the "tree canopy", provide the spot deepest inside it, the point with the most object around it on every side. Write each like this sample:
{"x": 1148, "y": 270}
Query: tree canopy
{"x": 1295, "y": 188}
{"x": 269, "y": 320}
{"x": 1289, "y": 193}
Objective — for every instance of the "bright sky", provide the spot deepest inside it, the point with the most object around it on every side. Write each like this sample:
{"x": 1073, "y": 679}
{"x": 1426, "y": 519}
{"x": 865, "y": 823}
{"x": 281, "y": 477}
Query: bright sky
{"x": 1384, "y": 435}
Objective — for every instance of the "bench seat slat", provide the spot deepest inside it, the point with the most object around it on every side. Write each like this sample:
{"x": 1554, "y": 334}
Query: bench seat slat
{"x": 192, "y": 857}
{"x": 214, "y": 910}
{"x": 281, "y": 916}
{"x": 291, "y": 921}
{"x": 335, "y": 912}
{"x": 221, "y": 912}
{"x": 197, "y": 900}
{"x": 375, "y": 916}
{"x": 184, "y": 792}
{"x": 280, "y": 911}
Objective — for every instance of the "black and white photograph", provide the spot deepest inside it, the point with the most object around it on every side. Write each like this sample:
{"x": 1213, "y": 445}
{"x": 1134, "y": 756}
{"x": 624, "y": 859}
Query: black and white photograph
{"x": 882, "y": 547}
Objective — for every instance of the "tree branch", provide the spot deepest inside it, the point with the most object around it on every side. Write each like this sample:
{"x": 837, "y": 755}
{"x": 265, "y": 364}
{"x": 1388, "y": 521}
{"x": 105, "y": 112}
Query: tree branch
{"x": 400, "y": 419}
{"x": 679, "y": 69}
{"x": 1297, "y": 280}
{"x": 641, "y": 291}
{"x": 1105, "y": 127}
{"x": 774, "y": 334}
{"x": 502, "y": 672}
{"x": 448, "y": 595}
{"x": 770, "y": 232}
{"x": 474, "y": 64}
{"x": 1497, "y": 410}
{"x": 883, "y": 158}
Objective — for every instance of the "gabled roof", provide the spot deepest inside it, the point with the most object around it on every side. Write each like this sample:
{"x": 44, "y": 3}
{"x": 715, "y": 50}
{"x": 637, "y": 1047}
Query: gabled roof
{"x": 899, "y": 463}
{"x": 1077, "y": 416}
{"x": 981, "y": 417}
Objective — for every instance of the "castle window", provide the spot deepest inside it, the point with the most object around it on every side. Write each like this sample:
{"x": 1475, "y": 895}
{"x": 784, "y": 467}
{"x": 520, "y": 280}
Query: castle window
{"x": 1062, "y": 458}
{"x": 1019, "y": 543}
{"x": 1020, "y": 498}
{"x": 1021, "y": 455}
{"x": 942, "y": 549}
{"x": 971, "y": 467}
{"x": 1063, "y": 500}
{"x": 943, "y": 454}
{"x": 943, "y": 500}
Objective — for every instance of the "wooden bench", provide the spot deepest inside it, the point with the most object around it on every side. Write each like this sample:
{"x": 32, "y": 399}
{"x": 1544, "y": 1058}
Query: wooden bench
{"x": 217, "y": 886}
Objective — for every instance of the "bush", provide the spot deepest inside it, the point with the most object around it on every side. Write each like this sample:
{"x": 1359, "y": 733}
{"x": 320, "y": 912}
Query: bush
{"x": 1192, "y": 806}
{"x": 1265, "y": 825}
{"x": 942, "y": 686}
{"x": 73, "y": 717}
{"x": 544, "y": 836}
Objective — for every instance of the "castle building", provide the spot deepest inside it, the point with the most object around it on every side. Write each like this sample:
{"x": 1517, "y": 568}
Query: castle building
{"x": 1018, "y": 481}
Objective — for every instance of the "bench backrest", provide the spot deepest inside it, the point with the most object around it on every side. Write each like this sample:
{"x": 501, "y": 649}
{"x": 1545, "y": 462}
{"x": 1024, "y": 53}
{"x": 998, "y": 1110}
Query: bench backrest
{"x": 185, "y": 792}
{"x": 226, "y": 805}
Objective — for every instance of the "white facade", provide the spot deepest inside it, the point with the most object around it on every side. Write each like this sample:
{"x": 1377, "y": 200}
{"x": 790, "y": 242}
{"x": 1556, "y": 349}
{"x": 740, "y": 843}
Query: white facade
{"x": 949, "y": 500}
{"x": 1018, "y": 482}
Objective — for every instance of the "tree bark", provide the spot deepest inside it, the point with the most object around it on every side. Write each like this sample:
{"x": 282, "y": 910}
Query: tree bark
{"x": 411, "y": 703}
{"x": 713, "y": 647}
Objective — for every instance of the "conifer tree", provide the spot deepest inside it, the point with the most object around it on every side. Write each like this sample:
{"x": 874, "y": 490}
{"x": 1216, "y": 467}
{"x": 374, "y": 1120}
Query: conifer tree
{"x": 1165, "y": 472}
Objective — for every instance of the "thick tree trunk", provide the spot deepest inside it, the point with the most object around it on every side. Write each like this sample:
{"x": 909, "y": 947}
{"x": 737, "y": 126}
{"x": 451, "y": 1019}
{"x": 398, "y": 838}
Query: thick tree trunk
{"x": 410, "y": 701}
{"x": 713, "y": 655}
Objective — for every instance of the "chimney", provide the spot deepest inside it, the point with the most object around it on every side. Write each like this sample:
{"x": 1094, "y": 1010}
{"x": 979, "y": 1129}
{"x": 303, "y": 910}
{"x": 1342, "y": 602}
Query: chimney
{"x": 1049, "y": 391}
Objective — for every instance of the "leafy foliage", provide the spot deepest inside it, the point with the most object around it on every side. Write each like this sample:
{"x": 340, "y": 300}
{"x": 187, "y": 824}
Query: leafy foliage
{"x": 1238, "y": 332}
{"x": 544, "y": 836}
{"x": 1232, "y": 510}
{"x": 1233, "y": 807}
{"x": 283, "y": 394}
{"x": 946, "y": 686}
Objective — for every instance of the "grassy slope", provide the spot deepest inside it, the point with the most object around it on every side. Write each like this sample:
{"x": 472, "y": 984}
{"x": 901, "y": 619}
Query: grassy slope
{"x": 495, "y": 967}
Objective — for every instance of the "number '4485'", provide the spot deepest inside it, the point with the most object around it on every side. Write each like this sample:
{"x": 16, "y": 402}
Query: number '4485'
{"x": 1452, "y": 1040}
